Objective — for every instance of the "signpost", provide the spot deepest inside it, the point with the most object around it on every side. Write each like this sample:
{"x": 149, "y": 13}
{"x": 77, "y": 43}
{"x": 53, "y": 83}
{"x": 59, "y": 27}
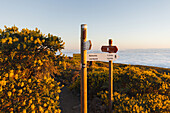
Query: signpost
{"x": 85, "y": 45}
{"x": 77, "y": 57}
{"x": 110, "y": 49}
{"x": 110, "y": 56}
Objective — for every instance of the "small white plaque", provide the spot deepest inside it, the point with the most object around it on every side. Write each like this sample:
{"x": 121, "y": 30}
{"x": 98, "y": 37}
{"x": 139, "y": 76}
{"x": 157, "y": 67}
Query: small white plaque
{"x": 87, "y": 45}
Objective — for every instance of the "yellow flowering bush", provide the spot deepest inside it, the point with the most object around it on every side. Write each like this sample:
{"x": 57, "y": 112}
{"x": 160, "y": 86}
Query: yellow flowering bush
{"x": 137, "y": 89}
{"x": 21, "y": 95}
{"x": 28, "y": 64}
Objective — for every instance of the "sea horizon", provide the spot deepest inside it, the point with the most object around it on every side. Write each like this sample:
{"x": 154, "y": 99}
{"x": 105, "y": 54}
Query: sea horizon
{"x": 159, "y": 57}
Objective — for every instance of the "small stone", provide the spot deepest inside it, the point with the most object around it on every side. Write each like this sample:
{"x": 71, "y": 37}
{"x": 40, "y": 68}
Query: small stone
{"x": 76, "y": 107}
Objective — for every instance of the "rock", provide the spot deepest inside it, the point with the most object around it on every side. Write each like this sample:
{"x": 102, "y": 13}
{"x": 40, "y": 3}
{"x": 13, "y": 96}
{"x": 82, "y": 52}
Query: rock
{"x": 76, "y": 107}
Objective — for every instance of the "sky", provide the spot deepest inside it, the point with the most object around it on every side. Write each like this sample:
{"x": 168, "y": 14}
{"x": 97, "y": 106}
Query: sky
{"x": 131, "y": 24}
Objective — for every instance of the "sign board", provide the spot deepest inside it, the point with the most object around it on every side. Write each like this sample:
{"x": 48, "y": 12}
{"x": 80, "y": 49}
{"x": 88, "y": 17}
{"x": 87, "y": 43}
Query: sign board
{"x": 101, "y": 56}
{"x": 87, "y": 45}
{"x": 77, "y": 57}
{"x": 110, "y": 49}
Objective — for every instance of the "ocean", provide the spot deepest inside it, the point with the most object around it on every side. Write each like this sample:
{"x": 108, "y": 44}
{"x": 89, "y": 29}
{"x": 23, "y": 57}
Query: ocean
{"x": 147, "y": 57}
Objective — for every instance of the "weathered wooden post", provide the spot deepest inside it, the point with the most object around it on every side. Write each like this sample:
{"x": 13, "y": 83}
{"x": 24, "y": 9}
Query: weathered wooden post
{"x": 110, "y": 49}
{"x": 110, "y": 81}
{"x": 83, "y": 69}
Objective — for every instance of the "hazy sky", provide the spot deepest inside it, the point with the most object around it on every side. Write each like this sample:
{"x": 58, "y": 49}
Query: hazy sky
{"x": 132, "y": 24}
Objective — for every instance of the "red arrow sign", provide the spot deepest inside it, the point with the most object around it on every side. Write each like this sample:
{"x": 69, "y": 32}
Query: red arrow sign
{"x": 110, "y": 49}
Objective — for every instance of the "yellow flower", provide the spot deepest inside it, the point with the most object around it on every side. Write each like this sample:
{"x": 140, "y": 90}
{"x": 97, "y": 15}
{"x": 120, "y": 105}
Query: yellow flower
{"x": 45, "y": 105}
{"x": 24, "y": 111}
{"x": 24, "y": 103}
{"x": 49, "y": 108}
{"x": 38, "y": 94}
{"x": 30, "y": 91}
{"x": 38, "y": 40}
{"x": 3, "y": 41}
{"x": 46, "y": 111}
{"x": 43, "y": 40}
{"x": 1, "y": 88}
{"x": 20, "y": 91}
{"x": 33, "y": 111}
{"x": 3, "y": 82}
{"x": 13, "y": 90}
{"x": 16, "y": 76}
{"x": 39, "y": 100}
{"x": 48, "y": 52}
{"x": 29, "y": 80}
{"x": 24, "y": 46}
{"x": 33, "y": 98}
{"x": 39, "y": 61}
{"x": 35, "y": 42}
{"x": 32, "y": 39}
{"x": 45, "y": 77}
{"x": 6, "y": 75}
{"x": 11, "y": 74}
{"x": 29, "y": 41}
{"x": 9, "y": 93}
{"x": 10, "y": 40}
{"x": 59, "y": 91}
{"x": 38, "y": 80}
{"x": 25, "y": 39}
{"x": 30, "y": 101}
{"x": 12, "y": 86}
{"x": 32, "y": 106}
{"x": 57, "y": 111}
{"x": 40, "y": 108}
{"x": 57, "y": 97}
{"x": 52, "y": 101}
{"x": 18, "y": 47}
{"x": 22, "y": 84}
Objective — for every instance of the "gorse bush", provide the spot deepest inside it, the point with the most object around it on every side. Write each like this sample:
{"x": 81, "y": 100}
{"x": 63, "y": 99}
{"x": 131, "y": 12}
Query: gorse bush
{"x": 137, "y": 89}
{"x": 28, "y": 63}
{"x": 29, "y": 95}
{"x": 29, "y": 50}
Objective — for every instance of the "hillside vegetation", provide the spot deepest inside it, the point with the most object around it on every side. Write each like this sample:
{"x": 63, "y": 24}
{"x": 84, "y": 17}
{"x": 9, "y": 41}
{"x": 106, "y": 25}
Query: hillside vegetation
{"x": 137, "y": 88}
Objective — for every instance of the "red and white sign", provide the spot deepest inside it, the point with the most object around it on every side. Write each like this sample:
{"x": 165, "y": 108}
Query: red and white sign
{"x": 110, "y": 49}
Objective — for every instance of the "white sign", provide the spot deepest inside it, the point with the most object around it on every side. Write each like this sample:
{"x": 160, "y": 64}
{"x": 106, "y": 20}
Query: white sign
{"x": 102, "y": 56}
{"x": 87, "y": 45}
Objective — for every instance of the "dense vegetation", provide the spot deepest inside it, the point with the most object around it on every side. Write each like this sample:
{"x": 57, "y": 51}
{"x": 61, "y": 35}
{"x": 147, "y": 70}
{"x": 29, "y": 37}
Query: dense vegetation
{"x": 137, "y": 88}
{"x": 27, "y": 66}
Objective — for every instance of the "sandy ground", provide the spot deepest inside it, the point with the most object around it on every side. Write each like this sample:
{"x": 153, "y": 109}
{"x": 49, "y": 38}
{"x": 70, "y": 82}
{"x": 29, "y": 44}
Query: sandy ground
{"x": 69, "y": 103}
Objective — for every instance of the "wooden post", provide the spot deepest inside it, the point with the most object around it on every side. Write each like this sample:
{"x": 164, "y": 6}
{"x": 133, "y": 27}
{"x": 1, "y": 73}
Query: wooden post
{"x": 110, "y": 81}
{"x": 83, "y": 89}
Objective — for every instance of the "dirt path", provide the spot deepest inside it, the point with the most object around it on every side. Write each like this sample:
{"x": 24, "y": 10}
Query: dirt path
{"x": 69, "y": 103}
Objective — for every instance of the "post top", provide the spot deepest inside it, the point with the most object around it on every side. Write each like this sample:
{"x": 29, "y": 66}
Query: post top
{"x": 110, "y": 41}
{"x": 84, "y": 26}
